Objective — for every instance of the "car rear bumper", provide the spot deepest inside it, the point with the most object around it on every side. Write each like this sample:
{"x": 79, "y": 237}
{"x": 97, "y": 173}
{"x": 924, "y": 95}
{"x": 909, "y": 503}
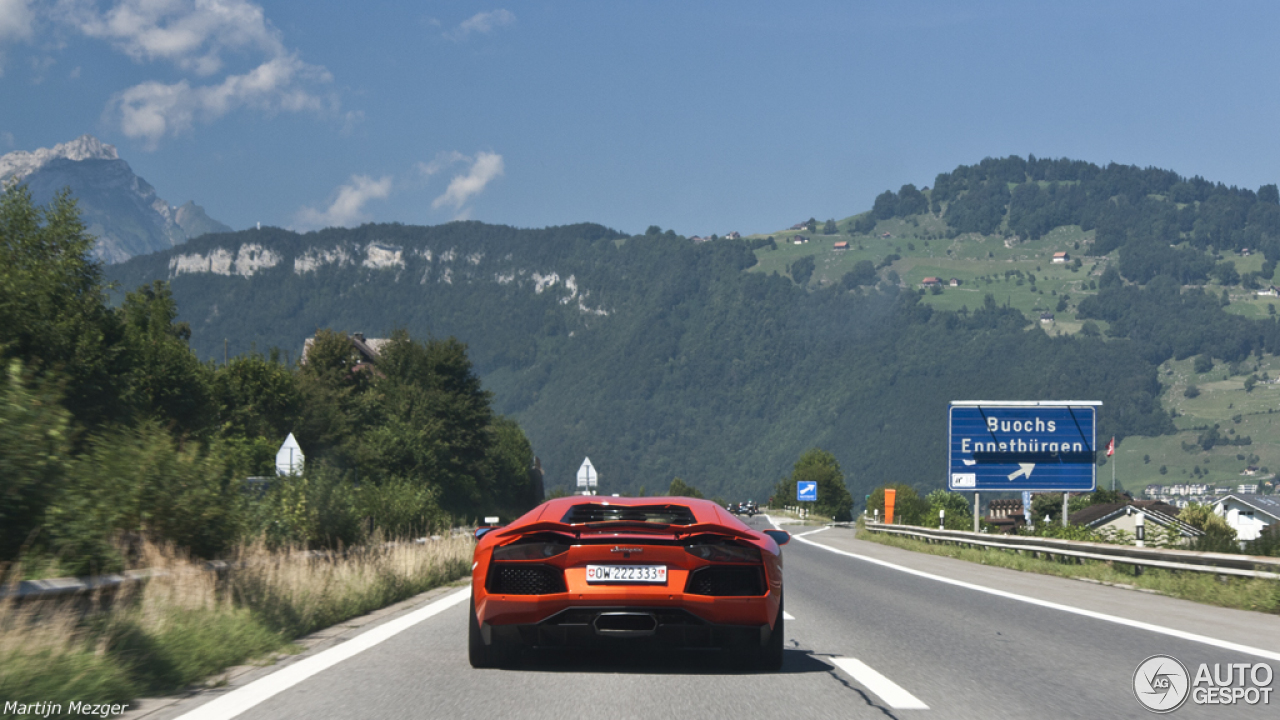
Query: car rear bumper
{"x": 603, "y": 626}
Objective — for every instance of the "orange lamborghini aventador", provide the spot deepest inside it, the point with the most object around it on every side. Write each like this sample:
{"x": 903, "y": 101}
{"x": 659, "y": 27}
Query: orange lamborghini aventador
{"x": 595, "y": 571}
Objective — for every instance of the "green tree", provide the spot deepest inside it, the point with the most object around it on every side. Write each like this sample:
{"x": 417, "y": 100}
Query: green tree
{"x": 166, "y": 381}
{"x": 679, "y": 488}
{"x": 1218, "y": 535}
{"x": 1203, "y": 363}
{"x": 958, "y": 513}
{"x": 908, "y": 507}
{"x": 53, "y": 310}
{"x": 801, "y": 270}
{"x": 821, "y": 466}
{"x": 829, "y": 227}
{"x": 863, "y": 274}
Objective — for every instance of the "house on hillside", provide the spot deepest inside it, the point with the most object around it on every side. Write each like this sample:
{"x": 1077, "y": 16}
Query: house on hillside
{"x": 1123, "y": 516}
{"x": 842, "y": 245}
{"x": 733, "y": 235}
{"x": 1061, "y": 257}
{"x": 1006, "y": 515}
{"x": 1046, "y": 318}
{"x": 1248, "y": 513}
{"x": 367, "y": 348}
{"x": 930, "y": 282}
{"x": 954, "y": 282}
{"x": 799, "y": 240}
{"x": 797, "y": 226}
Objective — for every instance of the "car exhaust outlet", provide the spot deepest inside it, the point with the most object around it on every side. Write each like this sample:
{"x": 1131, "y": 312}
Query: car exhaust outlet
{"x": 625, "y": 624}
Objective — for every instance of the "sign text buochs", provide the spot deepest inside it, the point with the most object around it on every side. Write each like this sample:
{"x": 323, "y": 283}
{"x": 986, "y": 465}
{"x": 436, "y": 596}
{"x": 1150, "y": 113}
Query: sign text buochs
{"x": 1020, "y": 445}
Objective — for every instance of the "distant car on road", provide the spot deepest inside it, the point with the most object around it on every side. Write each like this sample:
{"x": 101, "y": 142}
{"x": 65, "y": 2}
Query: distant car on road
{"x": 667, "y": 572}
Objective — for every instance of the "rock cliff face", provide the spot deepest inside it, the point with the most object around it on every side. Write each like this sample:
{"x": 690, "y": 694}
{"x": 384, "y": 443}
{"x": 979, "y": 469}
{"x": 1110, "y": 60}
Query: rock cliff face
{"x": 117, "y": 206}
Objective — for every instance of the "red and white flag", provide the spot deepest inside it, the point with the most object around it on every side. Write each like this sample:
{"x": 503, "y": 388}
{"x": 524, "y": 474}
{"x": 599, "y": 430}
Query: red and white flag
{"x": 1111, "y": 446}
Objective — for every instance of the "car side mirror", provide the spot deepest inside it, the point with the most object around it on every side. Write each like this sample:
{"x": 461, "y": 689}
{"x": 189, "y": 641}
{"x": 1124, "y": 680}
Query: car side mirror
{"x": 782, "y": 537}
{"x": 482, "y": 530}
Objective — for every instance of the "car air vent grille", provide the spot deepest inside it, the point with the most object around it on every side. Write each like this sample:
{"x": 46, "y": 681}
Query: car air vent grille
{"x": 720, "y": 581}
{"x": 512, "y": 579}
{"x": 657, "y": 514}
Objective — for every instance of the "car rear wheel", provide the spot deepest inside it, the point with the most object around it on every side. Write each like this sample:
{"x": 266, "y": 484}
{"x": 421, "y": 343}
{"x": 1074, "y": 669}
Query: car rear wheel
{"x": 770, "y": 657}
{"x": 496, "y": 654}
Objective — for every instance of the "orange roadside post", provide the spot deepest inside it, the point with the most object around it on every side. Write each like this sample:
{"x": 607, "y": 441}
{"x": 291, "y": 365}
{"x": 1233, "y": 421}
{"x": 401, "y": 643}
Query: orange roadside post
{"x": 889, "y": 496}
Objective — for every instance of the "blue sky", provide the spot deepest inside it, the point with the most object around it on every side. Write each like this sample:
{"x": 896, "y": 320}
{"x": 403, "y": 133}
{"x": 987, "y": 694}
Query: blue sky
{"x": 703, "y": 117}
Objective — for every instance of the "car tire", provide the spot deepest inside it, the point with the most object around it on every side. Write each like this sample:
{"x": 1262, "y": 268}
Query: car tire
{"x": 477, "y": 651}
{"x": 498, "y": 653}
{"x": 770, "y": 657}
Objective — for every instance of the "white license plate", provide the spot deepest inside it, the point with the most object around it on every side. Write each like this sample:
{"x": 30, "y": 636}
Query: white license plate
{"x": 627, "y": 574}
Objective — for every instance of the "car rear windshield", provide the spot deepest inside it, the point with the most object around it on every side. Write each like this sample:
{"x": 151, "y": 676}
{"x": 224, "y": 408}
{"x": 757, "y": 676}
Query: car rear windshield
{"x": 657, "y": 514}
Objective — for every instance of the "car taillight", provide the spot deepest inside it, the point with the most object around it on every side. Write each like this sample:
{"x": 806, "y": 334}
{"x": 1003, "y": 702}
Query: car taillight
{"x": 529, "y": 551}
{"x": 725, "y": 553}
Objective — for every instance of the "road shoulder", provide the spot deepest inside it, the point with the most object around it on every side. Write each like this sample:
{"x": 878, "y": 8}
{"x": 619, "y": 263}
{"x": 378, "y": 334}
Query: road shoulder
{"x": 178, "y": 704}
{"x": 1259, "y": 630}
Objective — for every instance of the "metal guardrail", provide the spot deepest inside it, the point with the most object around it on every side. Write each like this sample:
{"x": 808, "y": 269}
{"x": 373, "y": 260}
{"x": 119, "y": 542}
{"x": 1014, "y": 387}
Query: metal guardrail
{"x": 1168, "y": 559}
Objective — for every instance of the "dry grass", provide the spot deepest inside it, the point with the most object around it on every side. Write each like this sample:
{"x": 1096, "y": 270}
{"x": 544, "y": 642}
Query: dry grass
{"x": 1241, "y": 593}
{"x": 187, "y": 623}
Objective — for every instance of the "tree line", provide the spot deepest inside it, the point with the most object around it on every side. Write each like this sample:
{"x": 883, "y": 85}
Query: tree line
{"x": 113, "y": 432}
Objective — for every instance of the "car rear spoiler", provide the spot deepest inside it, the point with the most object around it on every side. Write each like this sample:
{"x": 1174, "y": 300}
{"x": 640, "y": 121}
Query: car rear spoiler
{"x": 651, "y": 528}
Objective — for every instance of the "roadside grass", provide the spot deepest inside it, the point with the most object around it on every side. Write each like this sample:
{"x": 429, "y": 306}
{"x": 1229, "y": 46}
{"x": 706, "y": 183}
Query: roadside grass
{"x": 1255, "y": 594}
{"x": 186, "y": 623}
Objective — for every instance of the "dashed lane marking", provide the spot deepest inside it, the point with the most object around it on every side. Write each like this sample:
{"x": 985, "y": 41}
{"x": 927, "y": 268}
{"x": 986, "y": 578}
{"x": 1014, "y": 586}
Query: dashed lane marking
{"x": 787, "y": 616}
{"x": 890, "y": 692}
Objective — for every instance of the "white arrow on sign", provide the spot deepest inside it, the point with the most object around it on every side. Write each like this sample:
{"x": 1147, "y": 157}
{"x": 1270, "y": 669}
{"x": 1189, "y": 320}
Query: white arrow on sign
{"x": 1024, "y": 469}
{"x": 586, "y": 474}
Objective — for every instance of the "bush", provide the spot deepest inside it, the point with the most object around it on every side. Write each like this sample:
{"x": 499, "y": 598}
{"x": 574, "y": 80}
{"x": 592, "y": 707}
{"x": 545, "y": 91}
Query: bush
{"x": 135, "y": 485}
{"x": 908, "y": 507}
{"x": 317, "y": 509}
{"x": 1267, "y": 543}
{"x": 34, "y": 440}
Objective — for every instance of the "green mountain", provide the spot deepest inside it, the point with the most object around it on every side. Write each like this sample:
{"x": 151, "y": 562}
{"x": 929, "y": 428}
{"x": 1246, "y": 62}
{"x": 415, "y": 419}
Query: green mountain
{"x": 720, "y": 362}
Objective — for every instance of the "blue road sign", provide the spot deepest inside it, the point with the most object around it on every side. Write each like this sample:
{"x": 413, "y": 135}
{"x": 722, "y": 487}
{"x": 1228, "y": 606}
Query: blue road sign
{"x": 1036, "y": 446}
{"x": 807, "y": 491}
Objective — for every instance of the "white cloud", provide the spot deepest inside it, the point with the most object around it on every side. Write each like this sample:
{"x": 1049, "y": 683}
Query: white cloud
{"x": 151, "y": 110}
{"x": 200, "y": 37}
{"x": 347, "y": 208}
{"x": 441, "y": 161}
{"x": 463, "y": 188}
{"x": 17, "y": 20}
{"x": 193, "y": 34}
{"x": 484, "y": 23}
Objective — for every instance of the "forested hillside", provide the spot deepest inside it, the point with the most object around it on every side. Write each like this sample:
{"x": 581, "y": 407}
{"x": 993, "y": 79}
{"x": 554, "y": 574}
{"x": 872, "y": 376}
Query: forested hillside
{"x": 655, "y": 356}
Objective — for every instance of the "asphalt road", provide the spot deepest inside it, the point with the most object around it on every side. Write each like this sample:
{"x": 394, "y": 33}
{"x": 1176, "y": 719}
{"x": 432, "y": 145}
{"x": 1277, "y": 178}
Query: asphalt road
{"x": 867, "y": 641}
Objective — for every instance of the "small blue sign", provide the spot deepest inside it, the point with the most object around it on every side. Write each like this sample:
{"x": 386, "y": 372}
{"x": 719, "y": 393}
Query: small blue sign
{"x": 1035, "y": 446}
{"x": 807, "y": 491}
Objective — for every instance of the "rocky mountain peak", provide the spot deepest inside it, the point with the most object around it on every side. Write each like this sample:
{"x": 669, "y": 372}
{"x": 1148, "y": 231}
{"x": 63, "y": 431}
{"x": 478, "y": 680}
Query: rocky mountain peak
{"x": 119, "y": 208}
{"x": 21, "y": 163}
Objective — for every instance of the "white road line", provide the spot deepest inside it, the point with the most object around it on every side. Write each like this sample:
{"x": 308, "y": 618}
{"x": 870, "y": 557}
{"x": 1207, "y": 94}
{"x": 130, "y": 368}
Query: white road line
{"x": 241, "y": 699}
{"x": 787, "y": 616}
{"x": 1204, "y": 639}
{"x": 811, "y": 532}
{"x": 890, "y": 692}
